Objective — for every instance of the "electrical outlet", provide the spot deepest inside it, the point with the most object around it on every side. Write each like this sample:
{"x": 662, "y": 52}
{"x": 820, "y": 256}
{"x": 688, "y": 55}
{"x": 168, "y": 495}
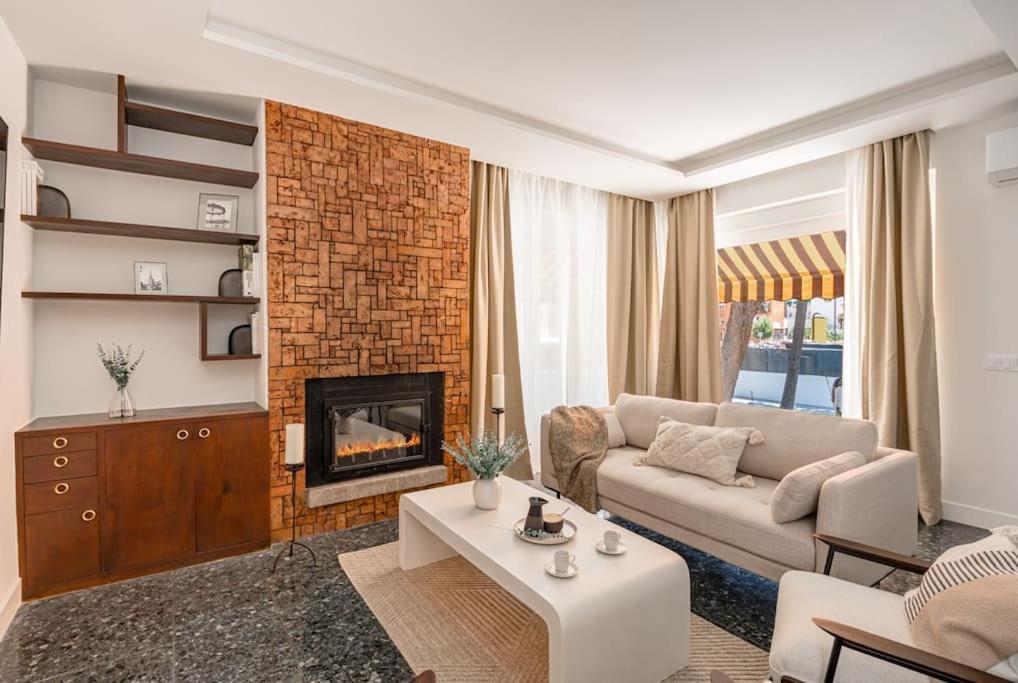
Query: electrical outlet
{"x": 1001, "y": 362}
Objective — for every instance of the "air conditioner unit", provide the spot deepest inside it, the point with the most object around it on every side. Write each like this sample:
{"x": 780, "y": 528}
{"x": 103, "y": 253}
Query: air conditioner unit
{"x": 1002, "y": 157}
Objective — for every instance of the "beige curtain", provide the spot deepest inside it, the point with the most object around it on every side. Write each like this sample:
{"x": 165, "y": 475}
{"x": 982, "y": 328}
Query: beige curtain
{"x": 495, "y": 348}
{"x": 632, "y": 297}
{"x": 689, "y": 361}
{"x": 897, "y": 348}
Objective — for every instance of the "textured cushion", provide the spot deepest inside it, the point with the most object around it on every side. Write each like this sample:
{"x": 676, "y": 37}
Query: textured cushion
{"x": 799, "y": 649}
{"x": 711, "y": 452}
{"x": 739, "y": 517}
{"x": 616, "y": 437}
{"x": 798, "y": 493}
{"x": 991, "y": 556}
{"x": 793, "y": 438}
{"x": 639, "y": 415}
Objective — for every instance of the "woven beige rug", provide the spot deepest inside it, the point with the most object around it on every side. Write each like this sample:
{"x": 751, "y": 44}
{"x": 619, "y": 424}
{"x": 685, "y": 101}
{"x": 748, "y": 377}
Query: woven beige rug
{"x": 451, "y": 618}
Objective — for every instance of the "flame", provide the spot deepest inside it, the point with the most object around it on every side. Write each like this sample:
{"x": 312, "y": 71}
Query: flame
{"x": 364, "y": 446}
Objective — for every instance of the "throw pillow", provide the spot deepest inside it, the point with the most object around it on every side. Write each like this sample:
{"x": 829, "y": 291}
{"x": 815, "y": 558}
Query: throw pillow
{"x": 798, "y": 494}
{"x": 616, "y": 437}
{"x": 711, "y": 452}
{"x": 966, "y": 607}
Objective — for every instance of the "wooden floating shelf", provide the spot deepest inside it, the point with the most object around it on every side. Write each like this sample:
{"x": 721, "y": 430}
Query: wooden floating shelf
{"x": 151, "y": 298}
{"x": 137, "y": 163}
{"x": 154, "y": 232}
{"x": 158, "y": 118}
{"x": 232, "y": 356}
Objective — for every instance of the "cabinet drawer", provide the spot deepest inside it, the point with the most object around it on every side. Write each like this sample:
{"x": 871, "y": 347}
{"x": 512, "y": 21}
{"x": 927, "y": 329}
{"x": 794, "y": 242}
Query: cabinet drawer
{"x": 61, "y": 546}
{"x": 62, "y": 495}
{"x": 58, "y": 443}
{"x": 39, "y": 468}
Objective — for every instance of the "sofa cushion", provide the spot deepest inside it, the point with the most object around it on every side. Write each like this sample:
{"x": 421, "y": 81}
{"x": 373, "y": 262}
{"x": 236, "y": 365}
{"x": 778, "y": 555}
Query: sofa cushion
{"x": 711, "y": 452}
{"x": 639, "y": 415}
{"x": 799, "y": 649}
{"x": 616, "y": 437}
{"x": 737, "y": 516}
{"x": 798, "y": 494}
{"x": 794, "y": 438}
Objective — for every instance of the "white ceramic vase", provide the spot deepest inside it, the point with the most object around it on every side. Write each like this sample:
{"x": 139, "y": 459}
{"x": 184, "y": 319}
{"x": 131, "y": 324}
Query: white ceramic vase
{"x": 487, "y": 493}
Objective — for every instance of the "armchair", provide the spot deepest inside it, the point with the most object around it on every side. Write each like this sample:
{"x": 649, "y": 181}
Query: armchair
{"x": 832, "y": 630}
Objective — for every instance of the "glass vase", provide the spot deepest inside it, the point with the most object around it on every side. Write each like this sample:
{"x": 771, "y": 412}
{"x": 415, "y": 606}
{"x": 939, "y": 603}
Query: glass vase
{"x": 122, "y": 405}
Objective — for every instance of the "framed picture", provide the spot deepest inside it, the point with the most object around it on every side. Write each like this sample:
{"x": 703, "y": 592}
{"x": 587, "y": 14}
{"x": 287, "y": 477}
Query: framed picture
{"x": 217, "y": 212}
{"x": 149, "y": 277}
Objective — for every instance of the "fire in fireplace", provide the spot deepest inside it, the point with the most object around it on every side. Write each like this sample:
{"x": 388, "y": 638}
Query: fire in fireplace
{"x": 366, "y": 425}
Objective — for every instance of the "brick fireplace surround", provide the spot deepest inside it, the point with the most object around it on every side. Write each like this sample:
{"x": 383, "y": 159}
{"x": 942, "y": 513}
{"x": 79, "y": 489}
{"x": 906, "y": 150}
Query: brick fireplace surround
{"x": 368, "y": 273}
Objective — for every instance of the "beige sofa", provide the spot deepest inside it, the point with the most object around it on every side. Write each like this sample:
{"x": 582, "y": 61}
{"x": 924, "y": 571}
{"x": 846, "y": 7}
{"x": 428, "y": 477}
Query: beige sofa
{"x": 875, "y": 503}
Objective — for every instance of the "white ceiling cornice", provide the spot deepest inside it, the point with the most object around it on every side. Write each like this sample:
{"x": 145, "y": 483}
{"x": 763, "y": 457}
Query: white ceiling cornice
{"x": 338, "y": 67}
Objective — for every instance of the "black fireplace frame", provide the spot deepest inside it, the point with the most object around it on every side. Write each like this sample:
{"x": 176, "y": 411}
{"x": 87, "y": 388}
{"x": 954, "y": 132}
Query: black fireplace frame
{"x": 323, "y": 394}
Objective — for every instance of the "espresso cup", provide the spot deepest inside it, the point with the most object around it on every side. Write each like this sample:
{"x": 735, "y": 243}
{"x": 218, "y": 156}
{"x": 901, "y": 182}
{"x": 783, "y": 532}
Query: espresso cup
{"x": 611, "y": 541}
{"x": 563, "y": 558}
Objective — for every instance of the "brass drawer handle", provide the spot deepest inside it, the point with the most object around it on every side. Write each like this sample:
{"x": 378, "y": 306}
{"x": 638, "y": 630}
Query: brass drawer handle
{"x": 60, "y": 442}
{"x": 88, "y": 515}
{"x": 204, "y": 432}
{"x": 60, "y": 461}
{"x": 183, "y": 434}
{"x": 61, "y": 488}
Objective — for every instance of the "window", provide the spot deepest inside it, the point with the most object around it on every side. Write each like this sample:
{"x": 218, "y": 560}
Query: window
{"x": 782, "y": 320}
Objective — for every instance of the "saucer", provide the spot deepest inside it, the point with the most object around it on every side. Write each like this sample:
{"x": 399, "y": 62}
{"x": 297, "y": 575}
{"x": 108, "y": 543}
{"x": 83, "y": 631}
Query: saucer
{"x": 550, "y": 569}
{"x": 621, "y": 550}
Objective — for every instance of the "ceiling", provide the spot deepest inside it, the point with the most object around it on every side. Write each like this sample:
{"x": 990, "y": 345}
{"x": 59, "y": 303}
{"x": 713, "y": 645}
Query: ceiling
{"x": 649, "y": 98}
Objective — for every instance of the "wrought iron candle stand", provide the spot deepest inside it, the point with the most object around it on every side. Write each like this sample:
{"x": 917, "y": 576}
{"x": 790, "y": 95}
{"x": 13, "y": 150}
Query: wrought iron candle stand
{"x": 288, "y": 549}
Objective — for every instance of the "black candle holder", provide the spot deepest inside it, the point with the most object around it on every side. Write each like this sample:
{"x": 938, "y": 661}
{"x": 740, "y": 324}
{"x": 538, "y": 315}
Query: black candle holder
{"x": 498, "y": 413}
{"x": 288, "y": 549}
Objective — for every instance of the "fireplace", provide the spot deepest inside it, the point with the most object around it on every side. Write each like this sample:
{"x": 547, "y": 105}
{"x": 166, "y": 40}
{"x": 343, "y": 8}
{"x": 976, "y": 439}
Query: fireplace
{"x": 358, "y": 426}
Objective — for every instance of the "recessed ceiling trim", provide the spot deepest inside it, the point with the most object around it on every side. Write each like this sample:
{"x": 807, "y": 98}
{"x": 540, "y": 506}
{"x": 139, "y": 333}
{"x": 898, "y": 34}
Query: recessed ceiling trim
{"x": 883, "y": 105}
{"x": 337, "y": 67}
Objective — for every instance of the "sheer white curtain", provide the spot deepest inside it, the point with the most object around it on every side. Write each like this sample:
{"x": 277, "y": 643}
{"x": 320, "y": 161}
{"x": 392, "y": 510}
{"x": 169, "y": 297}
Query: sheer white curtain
{"x": 559, "y": 257}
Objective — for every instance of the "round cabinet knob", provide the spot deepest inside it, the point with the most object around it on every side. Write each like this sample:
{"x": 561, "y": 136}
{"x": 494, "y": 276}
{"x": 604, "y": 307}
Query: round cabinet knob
{"x": 88, "y": 515}
{"x": 60, "y": 461}
{"x": 60, "y": 442}
{"x": 61, "y": 488}
{"x": 204, "y": 432}
{"x": 183, "y": 434}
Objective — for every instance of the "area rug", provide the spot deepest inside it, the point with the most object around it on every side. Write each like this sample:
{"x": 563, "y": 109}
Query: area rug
{"x": 451, "y": 618}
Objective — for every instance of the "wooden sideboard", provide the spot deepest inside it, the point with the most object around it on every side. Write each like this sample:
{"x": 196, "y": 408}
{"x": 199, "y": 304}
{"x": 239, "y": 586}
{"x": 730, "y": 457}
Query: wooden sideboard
{"x": 103, "y": 499}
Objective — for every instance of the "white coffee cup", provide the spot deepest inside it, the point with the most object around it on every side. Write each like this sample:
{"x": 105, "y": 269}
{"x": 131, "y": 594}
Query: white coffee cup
{"x": 611, "y": 541}
{"x": 563, "y": 558}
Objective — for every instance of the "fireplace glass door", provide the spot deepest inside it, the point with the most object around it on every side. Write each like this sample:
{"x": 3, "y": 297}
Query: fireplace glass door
{"x": 377, "y": 433}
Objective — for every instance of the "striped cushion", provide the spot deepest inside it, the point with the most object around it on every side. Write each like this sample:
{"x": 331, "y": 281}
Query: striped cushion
{"x": 991, "y": 556}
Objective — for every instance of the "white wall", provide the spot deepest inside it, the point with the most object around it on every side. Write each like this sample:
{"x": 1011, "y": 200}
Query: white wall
{"x": 15, "y": 321}
{"x": 977, "y": 313}
{"x": 799, "y": 200}
{"x": 68, "y": 378}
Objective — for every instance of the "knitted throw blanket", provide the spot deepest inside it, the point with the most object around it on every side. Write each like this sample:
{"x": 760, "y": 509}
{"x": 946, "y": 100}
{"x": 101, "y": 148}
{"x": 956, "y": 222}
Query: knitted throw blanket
{"x": 577, "y": 441}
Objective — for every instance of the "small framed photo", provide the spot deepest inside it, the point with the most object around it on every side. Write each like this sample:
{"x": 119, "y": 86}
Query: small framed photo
{"x": 217, "y": 212}
{"x": 149, "y": 277}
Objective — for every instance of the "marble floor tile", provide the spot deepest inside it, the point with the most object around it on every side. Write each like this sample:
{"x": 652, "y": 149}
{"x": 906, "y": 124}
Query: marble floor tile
{"x": 235, "y": 620}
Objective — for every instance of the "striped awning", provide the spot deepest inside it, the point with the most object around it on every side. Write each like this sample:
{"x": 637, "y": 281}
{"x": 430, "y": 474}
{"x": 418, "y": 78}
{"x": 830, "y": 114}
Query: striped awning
{"x": 805, "y": 267}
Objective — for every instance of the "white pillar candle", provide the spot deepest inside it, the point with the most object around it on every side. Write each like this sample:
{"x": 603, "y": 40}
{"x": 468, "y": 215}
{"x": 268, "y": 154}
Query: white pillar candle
{"x": 498, "y": 391}
{"x": 295, "y": 444}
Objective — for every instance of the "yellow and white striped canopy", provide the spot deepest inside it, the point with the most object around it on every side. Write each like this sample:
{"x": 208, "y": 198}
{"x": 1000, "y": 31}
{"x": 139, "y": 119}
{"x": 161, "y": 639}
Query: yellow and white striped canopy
{"x": 805, "y": 267}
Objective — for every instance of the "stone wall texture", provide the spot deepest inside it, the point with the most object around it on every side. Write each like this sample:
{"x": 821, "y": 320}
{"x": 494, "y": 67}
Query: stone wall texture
{"x": 368, "y": 250}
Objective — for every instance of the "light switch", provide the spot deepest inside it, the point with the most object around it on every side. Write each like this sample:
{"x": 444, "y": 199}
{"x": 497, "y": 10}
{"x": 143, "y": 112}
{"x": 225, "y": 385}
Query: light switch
{"x": 1002, "y": 362}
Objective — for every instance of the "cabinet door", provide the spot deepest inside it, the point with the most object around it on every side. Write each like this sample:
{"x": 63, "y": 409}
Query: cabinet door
{"x": 61, "y": 546}
{"x": 149, "y": 503}
{"x": 232, "y": 482}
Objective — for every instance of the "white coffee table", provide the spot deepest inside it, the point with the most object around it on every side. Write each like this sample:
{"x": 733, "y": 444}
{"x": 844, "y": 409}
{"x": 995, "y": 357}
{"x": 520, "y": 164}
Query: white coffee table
{"x": 623, "y": 618}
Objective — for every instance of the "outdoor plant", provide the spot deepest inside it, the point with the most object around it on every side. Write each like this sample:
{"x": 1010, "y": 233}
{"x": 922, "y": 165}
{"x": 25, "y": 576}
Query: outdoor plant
{"x": 483, "y": 456}
{"x": 762, "y": 328}
{"x": 118, "y": 362}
